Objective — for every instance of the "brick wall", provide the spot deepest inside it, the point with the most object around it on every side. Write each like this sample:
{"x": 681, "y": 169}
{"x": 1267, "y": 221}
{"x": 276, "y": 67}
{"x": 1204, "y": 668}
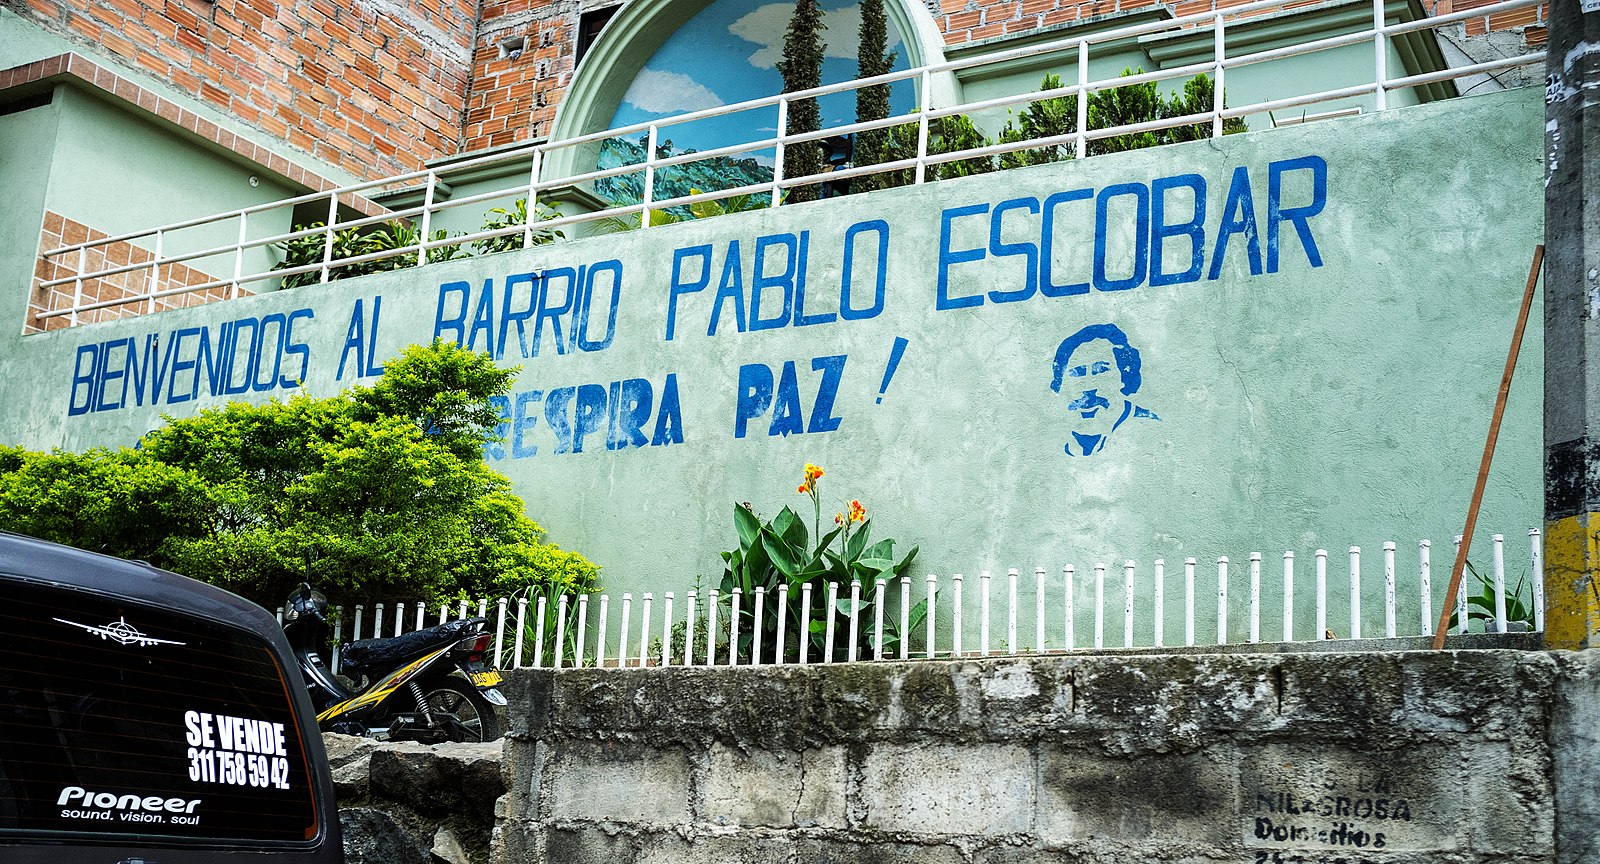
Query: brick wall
{"x": 373, "y": 86}
{"x": 1531, "y": 23}
{"x": 972, "y": 20}
{"x": 378, "y": 86}
{"x": 515, "y": 98}
{"x": 60, "y": 231}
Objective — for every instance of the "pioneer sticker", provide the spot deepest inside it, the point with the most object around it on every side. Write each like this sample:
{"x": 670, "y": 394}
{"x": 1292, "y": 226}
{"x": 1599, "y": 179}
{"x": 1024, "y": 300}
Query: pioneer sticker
{"x": 80, "y": 803}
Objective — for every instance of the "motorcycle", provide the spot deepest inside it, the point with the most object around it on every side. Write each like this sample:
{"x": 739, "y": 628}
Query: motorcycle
{"x": 403, "y": 688}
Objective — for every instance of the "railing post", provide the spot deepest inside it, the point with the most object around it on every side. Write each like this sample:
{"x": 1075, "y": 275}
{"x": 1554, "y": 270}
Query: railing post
{"x": 1355, "y": 592}
{"x": 777, "y": 155}
{"x": 922, "y": 127}
{"x": 1222, "y": 600}
{"x": 532, "y": 198}
{"x": 499, "y": 628}
{"x": 77, "y": 283}
{"x": 583, "y": 627}
{"x": 427, "y": 219}
{"x": 1425, "y": 586}
{"x": 561, "y": 628}
{"x": 238, "y": 255}
{"x": 327, "y": 234}
{"x": 649, "y": 176}
{"x": 1219, "y": 36}
{"x": 1380, "y": 56}
{"x": 1534, "y": 539}
{"x": 1288, "y": 596}
{"x": 155, "y": 274}
{"x": 1083, "y": 99}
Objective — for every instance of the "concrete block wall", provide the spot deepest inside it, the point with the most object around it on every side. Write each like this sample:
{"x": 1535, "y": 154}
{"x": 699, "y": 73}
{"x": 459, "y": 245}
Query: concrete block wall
{"x": 1376, "y": 757}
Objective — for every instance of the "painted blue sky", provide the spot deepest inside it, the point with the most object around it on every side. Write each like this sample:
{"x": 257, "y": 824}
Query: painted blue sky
{"x": 729, "y": 53}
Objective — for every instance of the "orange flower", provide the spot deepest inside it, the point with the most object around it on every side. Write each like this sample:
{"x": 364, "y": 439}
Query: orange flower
{"x": 809, "y": 483}
{"x": 858, "y": 513}
{"x": 838, "y": 518}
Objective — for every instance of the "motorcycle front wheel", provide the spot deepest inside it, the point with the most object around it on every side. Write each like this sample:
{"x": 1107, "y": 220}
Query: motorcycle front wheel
{"x": 451, "y": 695}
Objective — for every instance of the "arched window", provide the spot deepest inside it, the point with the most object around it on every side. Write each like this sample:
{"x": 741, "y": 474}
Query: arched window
{"x": 660, "y": 58}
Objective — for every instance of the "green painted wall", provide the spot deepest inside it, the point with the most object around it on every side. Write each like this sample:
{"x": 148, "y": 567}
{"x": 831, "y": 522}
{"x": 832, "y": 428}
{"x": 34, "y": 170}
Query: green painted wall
{"x": 118, "y": 173}
{"x": 27, "y": 149}
{"x": 1299, "y": 406}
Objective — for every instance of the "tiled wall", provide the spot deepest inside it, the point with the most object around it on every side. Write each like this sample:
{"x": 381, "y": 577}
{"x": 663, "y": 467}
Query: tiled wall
{"x": 60, "y": 231}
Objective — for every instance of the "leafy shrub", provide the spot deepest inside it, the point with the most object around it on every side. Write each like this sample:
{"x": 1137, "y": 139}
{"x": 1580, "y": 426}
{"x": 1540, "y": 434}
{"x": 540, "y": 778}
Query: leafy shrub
{"x": 500, "y": 217}
{"x": 398, "y": 235}
{"x": 782, "y": 552}
{"x": 384, "y": 487}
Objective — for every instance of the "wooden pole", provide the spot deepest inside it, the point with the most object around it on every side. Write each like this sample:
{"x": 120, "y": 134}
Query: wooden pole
{"x": 1488, "y": 451}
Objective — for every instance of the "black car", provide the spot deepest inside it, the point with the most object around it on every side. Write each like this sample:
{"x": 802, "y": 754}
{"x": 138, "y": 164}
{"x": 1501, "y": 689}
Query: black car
{"x": 152, "y": 718}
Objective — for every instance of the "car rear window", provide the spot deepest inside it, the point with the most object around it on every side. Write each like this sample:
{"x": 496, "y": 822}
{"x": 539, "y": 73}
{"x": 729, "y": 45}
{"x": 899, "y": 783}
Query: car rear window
{"x": 116, "y": 718}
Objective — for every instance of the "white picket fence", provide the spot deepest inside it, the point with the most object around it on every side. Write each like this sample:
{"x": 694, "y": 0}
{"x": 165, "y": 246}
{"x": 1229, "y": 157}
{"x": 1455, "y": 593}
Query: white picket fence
{"x": 530, "y": 630}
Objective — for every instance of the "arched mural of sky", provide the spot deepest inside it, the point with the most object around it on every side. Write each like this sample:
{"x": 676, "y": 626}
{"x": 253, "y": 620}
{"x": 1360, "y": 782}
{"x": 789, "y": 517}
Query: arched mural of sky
{"x": 729, "y": 53}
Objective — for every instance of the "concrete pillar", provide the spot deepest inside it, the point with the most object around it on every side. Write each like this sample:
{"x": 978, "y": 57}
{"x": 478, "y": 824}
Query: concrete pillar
{"x": 1572, "y": 326}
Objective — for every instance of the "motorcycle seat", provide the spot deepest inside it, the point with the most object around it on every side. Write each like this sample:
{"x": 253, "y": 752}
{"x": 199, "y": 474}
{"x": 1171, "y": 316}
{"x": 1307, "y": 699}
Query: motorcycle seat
{"x": 384, "y": 654}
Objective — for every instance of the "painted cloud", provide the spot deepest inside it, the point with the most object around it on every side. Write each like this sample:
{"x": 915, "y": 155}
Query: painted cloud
{"x": 658, "y": 92}
{"x": 765, "y": 25}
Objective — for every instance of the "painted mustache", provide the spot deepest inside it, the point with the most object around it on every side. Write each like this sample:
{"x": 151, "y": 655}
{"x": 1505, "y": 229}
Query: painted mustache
{"x": 1089, "y": 402}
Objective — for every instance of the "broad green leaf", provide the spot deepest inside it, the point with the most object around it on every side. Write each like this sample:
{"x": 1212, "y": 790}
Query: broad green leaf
{"x": 781, "y": 554}
{"x": 756, "y": 561}
{"x": 858, "y": 540}
{"x": 904, "y": 566}
{"x": 825, "y": 542}
{"x": 745, "y": 520}
{"x": 791, "y": 528}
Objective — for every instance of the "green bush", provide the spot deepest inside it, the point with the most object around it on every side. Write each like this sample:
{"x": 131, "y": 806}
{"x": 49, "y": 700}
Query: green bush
{"x": 399, "y": 235}
{"x": 782, "y": 552}
{"x": 383, "y": 488}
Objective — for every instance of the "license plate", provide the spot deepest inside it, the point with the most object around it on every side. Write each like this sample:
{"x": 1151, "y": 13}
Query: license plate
{"x": 486, "y": 678}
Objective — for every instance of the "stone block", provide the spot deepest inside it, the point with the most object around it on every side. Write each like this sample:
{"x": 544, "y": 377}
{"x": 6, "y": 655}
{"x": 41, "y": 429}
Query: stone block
{"x": 775, "y": 788}
{"x": 592, "y": 845}
{"x": 1509, "y": 795}
{"x": 587, "y": 845}
{"x": 874, "y": 850}
{"x": 617, "y": 782}
{"x": 1472, "y": 691}
{"x": 1161, "y": 703}
{"x": 1342, "y": 696}
{"x": 1574, "y": 741}
{"x": 935, "y": 697}
{"x": 1025, "y": 698}
{"x": 938, "y": 788}
{"x": 439, "y": 780}
{"x": 372, "y": 836}
{"x": 350, "y": 758}
{"x": 1333, "y": 798}
{"x": 1089, "y": 796}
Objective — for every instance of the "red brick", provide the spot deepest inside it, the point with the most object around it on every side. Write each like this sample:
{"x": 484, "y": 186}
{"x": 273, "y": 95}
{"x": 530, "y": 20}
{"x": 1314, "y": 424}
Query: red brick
{"x": 1513, "y": 18}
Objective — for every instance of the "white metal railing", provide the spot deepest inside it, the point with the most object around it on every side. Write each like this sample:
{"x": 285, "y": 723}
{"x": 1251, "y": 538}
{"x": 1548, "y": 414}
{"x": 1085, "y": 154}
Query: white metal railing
{"x": 75, "y": 256}
{"x": 1039, "y": 610}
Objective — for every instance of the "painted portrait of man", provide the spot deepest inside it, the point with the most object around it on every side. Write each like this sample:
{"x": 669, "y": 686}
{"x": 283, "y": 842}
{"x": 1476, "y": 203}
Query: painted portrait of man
{"x": 1097, "y": 372}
